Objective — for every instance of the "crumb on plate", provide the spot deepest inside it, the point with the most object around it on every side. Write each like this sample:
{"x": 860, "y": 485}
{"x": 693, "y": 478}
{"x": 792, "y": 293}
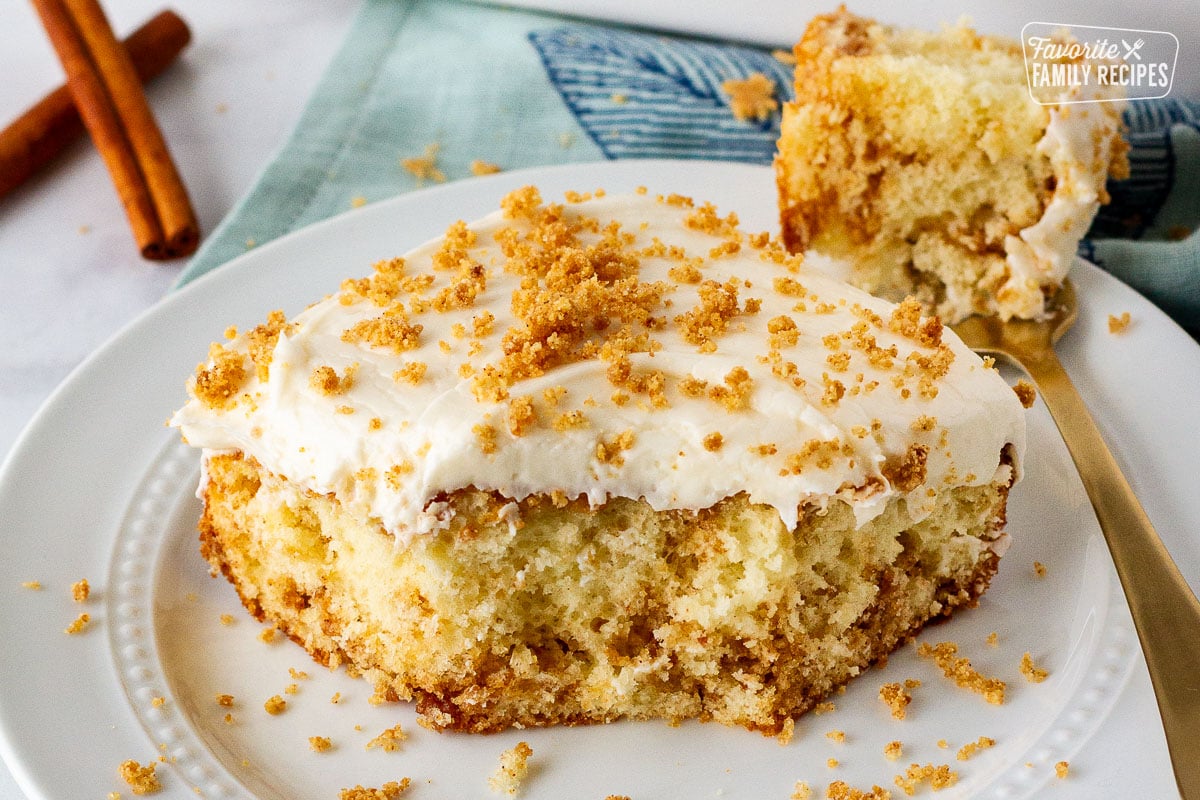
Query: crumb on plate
{"x": 388, "y": 791}
{"x": 840, "y": 790}
{"x": 786, "y": 732}
{"x": 962, "y": 673}
{"x": 939, "y": 777}
{"x": 970, "y": 748}
{"x": 895, "y": 698}
{"x": 1118, "y": 324}
{"x": 1032, "y": 673}
{"x": 389, "y": 740}
{"x": 141, "y": 780}
{"x": 514, "y": 764}
{"x": 80, "y": 590}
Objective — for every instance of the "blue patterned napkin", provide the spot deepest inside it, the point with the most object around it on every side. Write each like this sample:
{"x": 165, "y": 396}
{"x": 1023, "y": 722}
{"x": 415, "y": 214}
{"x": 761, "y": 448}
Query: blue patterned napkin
{"x": 449, "y": 83}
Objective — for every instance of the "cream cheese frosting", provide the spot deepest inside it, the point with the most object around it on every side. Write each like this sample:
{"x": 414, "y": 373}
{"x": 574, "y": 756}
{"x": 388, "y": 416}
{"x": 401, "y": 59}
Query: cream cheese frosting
{"x": 1079, "y": 142}
{"x": 632, "y": 346}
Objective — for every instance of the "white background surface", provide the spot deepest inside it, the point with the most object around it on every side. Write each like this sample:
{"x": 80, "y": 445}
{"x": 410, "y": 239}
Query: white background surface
{"x": 69, "y": 273}
{"x": 224, "y": 108}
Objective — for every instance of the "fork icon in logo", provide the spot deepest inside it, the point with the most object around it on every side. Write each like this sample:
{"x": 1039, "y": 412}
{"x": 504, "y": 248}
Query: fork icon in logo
{"x": 1132, "y": 50}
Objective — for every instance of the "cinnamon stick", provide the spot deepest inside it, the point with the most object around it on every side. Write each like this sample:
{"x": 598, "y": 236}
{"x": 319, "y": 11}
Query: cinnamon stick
{"x": 109, "y": 97}
{"x": 35, "y": 138}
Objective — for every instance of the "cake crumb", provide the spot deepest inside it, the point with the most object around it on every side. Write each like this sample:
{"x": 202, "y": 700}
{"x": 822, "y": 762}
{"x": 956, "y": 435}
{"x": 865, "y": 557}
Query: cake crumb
{"x": 326, "y": 380}
{"x": 939, "y": 777}
{"x": 895, "y": 698}
{"x": 389, "y": 740}
{"x": 1032, "y": 673}
{"x": 337, "y": 698}
{"x": 388, "y": 791}
{"x": 970, "y": 748}
{"x": 275, "y": 705}
{"x": 784, "y": 57}
{"x": 752, "y": 98}
{"x": 786, "y": 732}
{"x": 993, "y": 639}
{"x": 840, "y": 790}
{"x": 227, "y": 619}
{"x": 424, "y": 168}
{"x": 158, "y": 702}
{"x": 358, "y": 201}
{"x": 291, "y": 688}
{"x": 35, "y": 586}
{"x": 1039, "y": 569}
{"x": 893, "y": 750}
{"x": 297, "y": 674}
{"x": 961, "y": 671}
{"x": 1118, "y": 324}
{"x": 141, "y": 780}
{"x": 831, "y": 763}
{"x": 319, "y": 744}
{"x": 802, "y": 791}
{"x": 225, "y": 700}
{"x": 480, "y": 167}
{"x": 267, "y": 635}
{"x": 80, "y": 590}
{"x": 1062, "y": 769}
{"x": 1026, "y": 393}
{"x": 824, "y": 708}
{"x": 837, "y": 736}
{"x": 79, "y": 624}
{"x": 514, "y": 764}
{"x": 413, "y": 372}
{"x": 942, "y": 744}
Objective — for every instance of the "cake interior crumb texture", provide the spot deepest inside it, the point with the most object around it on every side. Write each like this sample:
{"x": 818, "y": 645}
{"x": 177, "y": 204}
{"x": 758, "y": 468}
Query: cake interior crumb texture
{"x": 919, "y": 158}
{"x": 581, "y": 615}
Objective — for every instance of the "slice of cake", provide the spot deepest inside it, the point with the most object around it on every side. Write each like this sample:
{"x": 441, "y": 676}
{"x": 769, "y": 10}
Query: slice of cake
{"x": 922, "y": 161}
{"x": 612, "y": 457}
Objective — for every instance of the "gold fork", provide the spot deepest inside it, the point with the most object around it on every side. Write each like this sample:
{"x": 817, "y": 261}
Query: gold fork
{"x": 1164, "y": 609}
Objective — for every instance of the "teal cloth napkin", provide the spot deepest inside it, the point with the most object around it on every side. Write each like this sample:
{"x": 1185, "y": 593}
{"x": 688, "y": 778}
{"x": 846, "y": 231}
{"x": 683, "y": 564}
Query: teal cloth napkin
{"x": 522, "y": 89}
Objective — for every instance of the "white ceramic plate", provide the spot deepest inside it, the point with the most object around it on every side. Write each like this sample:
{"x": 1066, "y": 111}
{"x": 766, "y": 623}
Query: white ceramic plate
{"x": 97, "y": 488}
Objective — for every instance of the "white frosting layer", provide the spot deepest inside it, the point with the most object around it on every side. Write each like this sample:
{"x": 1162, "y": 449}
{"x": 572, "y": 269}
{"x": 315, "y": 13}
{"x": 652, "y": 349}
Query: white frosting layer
{"x": 348, "y": 442}
{"x": 1079, "y": 142}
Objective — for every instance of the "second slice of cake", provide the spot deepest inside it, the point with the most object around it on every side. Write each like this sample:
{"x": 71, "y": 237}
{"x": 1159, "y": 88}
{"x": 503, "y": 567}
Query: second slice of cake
{"x": 922, "y": 161}
{"x": 613, "y": 457}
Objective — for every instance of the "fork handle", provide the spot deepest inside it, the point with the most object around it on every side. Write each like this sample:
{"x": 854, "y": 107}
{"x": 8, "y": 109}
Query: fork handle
{"x": 1165, "y": 612}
